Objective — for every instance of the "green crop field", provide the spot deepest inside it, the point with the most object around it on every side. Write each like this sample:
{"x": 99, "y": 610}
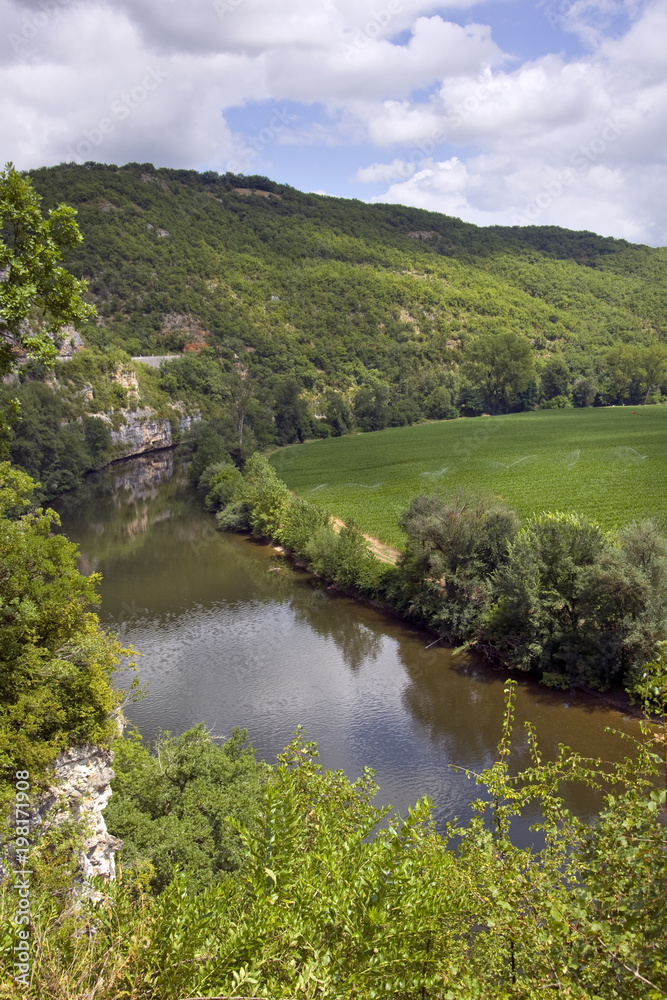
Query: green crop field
{"x": 608, "y": 463}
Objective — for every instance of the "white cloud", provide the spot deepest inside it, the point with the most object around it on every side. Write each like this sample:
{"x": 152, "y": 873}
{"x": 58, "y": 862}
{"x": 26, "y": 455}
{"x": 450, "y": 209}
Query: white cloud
{"x": 513, "y": 127}
{"x": 603, "y": 118}
{"x": 384, "y": 172}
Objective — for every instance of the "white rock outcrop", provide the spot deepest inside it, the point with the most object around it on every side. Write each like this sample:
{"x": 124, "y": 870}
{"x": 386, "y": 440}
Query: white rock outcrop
{"x": 81, "y": 789}
{"x": 143, "y": 431}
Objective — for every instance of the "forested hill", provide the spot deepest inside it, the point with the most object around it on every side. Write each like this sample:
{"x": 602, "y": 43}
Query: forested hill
{"x": 327, "y": 289}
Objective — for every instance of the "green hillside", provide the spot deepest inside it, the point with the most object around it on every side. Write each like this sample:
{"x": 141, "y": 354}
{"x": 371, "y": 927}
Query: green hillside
{"x": 293, "y": 316}
{"x": 607, "y": 463}
{"x": 329, "y": 290}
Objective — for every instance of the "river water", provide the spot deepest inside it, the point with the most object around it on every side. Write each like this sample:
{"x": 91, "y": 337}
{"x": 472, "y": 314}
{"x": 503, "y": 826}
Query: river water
{"x": 233, "y": 636}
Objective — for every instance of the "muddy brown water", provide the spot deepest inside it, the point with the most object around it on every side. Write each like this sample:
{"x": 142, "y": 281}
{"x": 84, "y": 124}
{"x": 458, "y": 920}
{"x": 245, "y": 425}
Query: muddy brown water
{"x": 232, "y": 635}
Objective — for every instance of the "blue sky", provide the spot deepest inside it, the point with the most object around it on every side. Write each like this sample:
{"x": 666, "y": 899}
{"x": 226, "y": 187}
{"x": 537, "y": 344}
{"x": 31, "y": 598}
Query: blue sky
{"x": 499, "y": 112}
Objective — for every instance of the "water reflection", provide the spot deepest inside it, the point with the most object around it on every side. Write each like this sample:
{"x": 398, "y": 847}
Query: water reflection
{"x": 233, "y": 635}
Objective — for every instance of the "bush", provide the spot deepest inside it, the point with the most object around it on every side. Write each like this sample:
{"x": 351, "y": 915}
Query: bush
{"x": 340, "y": 556}
{"x": 438, "y": 405}
{"x": 55, "y": 661}
{"x": 584, "y": 391}
{"x": 209, "y": 449}
{"x": 175, "y": 807}
{"x": 222, "y": 485}
{"x": 301, "y": 521}
{"x": 580, "y": 607}
{"x": 556, "y": 403}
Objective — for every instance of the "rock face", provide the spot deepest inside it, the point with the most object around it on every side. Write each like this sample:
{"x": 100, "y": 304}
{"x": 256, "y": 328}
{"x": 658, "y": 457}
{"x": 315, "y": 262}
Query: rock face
{"x": 144, "y": 431}
{"x": 81, "y": 790}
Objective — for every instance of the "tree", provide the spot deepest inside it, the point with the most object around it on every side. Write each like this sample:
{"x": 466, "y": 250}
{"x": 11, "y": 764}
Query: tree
{"x": 654, "y": 368}
{"x": 55, "y": 661}
{"x": 453, "y": 548}
{"x": 584, "y": 391}
{"x": 555, "y": 378}
{"x": 577, "y": 605}
{"x": 337, "y": 413}
{"x": 291, "y": 413}
{"x": 37, "y": 296}
{"x": 173, "y": 807}
{"x": 371, "y": 407}
{"x": 499, "y": 366}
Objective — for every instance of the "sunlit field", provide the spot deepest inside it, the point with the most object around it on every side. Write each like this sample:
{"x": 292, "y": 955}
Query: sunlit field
{"x": 608, "y": 463}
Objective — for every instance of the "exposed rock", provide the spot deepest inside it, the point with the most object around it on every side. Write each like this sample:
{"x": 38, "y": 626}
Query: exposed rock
{"x": 71, "y": 342}
{"x": 144, "y": 431}
{"x": 81, "y": 789}
{"x": 262, "y": 194}
{"x": 177, "y": 323}
{"x": 126, "y": 378}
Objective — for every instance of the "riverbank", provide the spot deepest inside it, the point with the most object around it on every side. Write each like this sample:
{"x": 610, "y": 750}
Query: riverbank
{"x": 228, "y": 641}
{"x": 549, "y": 598}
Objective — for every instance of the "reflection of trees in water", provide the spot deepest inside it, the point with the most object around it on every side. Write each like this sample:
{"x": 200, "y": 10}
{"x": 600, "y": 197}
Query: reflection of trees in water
{"x": 112, "y": 511}
{"x": 459, "y": 705}
{"x": 450, "y": 701}
{"x": 332, "y": 617}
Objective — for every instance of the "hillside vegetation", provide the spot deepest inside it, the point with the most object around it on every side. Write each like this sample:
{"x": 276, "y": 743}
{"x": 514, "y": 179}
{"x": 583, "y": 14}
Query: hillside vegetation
{"x": 422, "y": 314}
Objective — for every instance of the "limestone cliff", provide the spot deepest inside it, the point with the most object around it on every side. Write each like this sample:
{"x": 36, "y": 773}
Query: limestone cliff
{"x": 143, "y": 430}
{"x": 81, "y": 789}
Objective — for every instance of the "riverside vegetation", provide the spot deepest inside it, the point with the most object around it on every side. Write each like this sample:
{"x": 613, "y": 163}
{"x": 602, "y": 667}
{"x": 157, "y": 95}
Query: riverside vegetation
{"x": 239, "y": 879}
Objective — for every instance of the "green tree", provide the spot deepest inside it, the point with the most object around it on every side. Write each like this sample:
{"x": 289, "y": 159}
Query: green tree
{"x": 499, "y": 366}
{"x": 580, "y": 607}
{"x": 337, "y": 413}
{"x": 210, "y": 449}
{"x": 293, "y": 421}
{"x": 555, "y": 378}
{"x": 175, "y": 807}
{"x": 55, "y": 661}
{"x": 37, "y": 296}
{"x": 453, "y": 548}
{"x": 371, "y": 406}
{"x": 584, "y": 391}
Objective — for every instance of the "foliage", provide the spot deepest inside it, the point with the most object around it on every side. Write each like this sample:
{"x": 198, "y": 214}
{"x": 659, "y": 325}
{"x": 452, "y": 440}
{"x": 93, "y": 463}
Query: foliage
{"x": 327, "y": 903}
{"x": 37, "y": 296}
{"x": 174, "y": 808}
{"x": 371, "y": 408}
{"x": 51, "y": 446}
{"x": 209, "y": 449}
{"x": 300, "y": 523}
{"x": 55, "y": 661}
{"x": 499, "y": 367}
{"x": 452, "y": 552}
{"x": 223, "y": 481}
{"x": 343, "y": 556}
{"x": 576, "y": 605}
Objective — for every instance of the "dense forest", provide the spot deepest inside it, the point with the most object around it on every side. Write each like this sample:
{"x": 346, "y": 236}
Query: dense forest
{"x": 295, "y": 315}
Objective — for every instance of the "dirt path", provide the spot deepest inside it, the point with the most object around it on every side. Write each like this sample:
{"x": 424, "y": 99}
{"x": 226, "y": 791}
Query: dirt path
{"x": 385, "y": 553}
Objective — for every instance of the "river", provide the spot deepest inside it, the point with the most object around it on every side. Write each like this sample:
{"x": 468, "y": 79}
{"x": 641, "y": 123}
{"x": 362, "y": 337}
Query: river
{"x": 232, "y": 635}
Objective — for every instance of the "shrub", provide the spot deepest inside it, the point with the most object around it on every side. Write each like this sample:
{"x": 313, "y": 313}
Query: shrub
{"x": 222, "y": 485}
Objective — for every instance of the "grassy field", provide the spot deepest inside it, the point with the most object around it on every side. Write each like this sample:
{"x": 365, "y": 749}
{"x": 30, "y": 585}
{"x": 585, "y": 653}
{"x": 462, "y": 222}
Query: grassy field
{"x": 608, "y": 463}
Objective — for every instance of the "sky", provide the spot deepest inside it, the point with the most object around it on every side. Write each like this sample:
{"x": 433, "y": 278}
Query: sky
{"x": 509, "y": 112}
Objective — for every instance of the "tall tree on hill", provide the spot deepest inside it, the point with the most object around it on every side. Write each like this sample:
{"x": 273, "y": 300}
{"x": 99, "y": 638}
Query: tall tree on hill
{"x": 291, "y": 413}
{"x": 499, "y": 366}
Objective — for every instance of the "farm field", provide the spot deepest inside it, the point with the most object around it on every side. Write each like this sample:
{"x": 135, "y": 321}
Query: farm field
{"x": 609, "y": 463}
